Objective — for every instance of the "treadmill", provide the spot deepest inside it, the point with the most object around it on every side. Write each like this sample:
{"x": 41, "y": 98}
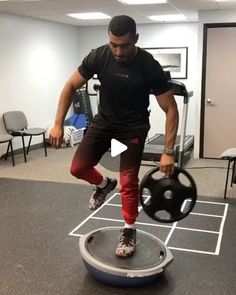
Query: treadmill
{"x": 154, "y": 145}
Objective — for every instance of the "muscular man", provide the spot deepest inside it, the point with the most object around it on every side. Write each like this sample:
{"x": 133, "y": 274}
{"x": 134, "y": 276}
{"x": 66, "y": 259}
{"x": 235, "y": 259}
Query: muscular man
{"x": 127, "y": 75}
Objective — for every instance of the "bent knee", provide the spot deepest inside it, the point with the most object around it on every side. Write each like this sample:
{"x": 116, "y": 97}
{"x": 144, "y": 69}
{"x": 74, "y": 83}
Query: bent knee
{"x": 76, "y": 169}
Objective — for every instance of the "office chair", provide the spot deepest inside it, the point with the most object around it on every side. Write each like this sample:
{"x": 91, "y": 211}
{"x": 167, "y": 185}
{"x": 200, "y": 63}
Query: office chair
{"x": 16, "y": 125}
{"x": 7, "y": 138}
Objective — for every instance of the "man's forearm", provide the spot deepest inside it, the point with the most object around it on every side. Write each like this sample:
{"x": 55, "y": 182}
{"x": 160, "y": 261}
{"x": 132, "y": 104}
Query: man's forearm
{"x": 172, "y": 120}
{"x": 64, "y": 104}
{"x": 76, "y": 81}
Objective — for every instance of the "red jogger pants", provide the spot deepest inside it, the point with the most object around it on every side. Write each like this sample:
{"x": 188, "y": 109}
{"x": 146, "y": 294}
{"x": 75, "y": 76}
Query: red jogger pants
{"x": 95, "y": 143}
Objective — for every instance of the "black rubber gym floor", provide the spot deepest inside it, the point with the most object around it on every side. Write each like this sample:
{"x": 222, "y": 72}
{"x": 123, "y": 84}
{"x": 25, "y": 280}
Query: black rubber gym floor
{"x": 40, "y": 227}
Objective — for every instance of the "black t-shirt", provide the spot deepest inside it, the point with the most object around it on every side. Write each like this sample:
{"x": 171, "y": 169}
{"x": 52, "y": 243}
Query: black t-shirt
{"x": 125, "y": 87}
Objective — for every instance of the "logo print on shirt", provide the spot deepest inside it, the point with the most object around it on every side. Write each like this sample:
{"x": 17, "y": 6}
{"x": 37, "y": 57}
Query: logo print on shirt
{"x": 134, "y": 141}
{"x": 122, "y": 75}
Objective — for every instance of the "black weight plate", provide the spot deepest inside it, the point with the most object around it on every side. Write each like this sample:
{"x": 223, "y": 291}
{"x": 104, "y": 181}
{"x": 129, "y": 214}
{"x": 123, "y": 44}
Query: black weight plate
{"x": 169, "y": 199}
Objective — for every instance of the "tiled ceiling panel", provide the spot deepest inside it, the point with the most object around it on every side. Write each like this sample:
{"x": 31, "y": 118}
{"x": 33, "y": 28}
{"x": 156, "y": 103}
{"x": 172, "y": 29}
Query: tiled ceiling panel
{"x": 57, "y": 10}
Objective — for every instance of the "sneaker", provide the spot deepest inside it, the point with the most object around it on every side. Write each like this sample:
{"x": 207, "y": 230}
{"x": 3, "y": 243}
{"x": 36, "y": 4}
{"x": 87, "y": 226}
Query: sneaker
{"x": 126, "y": 246}
{"x": 99, "y": 197}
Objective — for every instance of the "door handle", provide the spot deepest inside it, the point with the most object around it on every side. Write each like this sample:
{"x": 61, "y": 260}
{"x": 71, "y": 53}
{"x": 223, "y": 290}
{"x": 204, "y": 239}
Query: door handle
{"x": 209, "y": 102}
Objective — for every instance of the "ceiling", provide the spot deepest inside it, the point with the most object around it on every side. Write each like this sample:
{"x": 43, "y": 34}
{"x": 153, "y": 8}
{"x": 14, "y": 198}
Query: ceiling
{"x": 56, "y": 10}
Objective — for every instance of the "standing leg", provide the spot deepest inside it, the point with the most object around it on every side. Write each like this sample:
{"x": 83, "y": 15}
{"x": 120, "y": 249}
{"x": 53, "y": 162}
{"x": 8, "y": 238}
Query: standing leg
{"x": 129, "y": 169}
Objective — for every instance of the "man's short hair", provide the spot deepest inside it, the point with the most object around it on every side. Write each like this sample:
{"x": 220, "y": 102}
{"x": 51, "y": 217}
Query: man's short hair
{"x": 121, "y": 25}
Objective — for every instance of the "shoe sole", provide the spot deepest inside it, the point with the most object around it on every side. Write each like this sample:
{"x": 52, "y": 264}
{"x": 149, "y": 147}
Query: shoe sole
{"x": 125, "y": 256}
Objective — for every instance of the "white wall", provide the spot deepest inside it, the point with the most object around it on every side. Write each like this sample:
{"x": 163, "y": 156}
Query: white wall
{"x": 206, "y": 17}
{"x": 172, "y": 35}
{"x": 155, "y": 35}
{"x": 36, "y": 58}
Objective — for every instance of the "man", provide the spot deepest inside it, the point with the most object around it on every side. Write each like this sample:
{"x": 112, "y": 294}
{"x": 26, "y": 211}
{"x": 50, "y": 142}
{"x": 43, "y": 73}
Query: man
{"x": 127, "y": 75}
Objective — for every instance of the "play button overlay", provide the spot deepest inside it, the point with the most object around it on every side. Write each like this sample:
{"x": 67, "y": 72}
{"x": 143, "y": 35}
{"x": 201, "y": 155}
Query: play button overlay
{"x": 111, "y": 159}
{"x": 117, "y": 147}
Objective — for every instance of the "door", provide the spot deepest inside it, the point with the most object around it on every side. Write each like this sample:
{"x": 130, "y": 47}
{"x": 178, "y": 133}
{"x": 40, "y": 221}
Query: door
{"x": 218, "y": 117}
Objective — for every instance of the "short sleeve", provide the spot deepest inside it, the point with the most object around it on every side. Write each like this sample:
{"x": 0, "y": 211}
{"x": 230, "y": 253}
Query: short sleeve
{"x": 94, "y": 61}
{"x": 156, "y": 78}
{"x": 88, "y": 66}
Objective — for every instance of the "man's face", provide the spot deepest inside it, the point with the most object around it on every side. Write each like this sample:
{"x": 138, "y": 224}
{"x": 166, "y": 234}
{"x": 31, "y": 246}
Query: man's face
{"x": 123, "y": 47}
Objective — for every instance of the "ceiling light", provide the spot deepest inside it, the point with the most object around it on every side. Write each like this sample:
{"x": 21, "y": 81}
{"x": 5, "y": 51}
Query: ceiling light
{"x": 167, "y": 17}
{"x": 142, "y": 2}
{"x": 89, "y": 15}
{"x": 22, "y": 0}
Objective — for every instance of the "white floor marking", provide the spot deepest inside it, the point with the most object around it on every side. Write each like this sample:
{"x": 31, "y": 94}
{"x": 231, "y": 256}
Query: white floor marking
{"x": 221, "y": 229}
{"x": 91, "y": 215}
{"x": 211, "y": 202}
{"x": 114, "y": 205}
{"x": 137, "y": 222}
{"x": 108, "y": 219}
{"x": 207, "y": 215}
{"x": 172, "y": 227}
{"x": 170, "y": 233}
{"x": 198, "y": 230}
{"x": 192, "y": 250}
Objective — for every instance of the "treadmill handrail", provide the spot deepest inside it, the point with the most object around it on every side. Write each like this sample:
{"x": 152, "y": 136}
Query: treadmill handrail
{"x": 186, "y": 94}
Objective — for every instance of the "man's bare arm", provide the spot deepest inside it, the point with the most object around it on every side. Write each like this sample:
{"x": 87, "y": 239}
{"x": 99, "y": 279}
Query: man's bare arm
{"x": 168, "y": 104}
{"x": 76, "y": 81}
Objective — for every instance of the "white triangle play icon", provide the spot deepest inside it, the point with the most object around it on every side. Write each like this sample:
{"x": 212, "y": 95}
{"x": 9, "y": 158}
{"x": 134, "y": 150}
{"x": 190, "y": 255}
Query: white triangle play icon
{"x": 117, "y": 147}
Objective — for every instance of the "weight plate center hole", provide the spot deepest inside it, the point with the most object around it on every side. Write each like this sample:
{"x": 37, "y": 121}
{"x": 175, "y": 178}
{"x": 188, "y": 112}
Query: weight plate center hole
{"x": 168, "y": 195}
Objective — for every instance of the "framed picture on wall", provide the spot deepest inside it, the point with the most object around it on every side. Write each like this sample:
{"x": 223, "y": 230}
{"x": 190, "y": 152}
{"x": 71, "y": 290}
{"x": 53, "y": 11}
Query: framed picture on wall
{"x": 173, "y": 59}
